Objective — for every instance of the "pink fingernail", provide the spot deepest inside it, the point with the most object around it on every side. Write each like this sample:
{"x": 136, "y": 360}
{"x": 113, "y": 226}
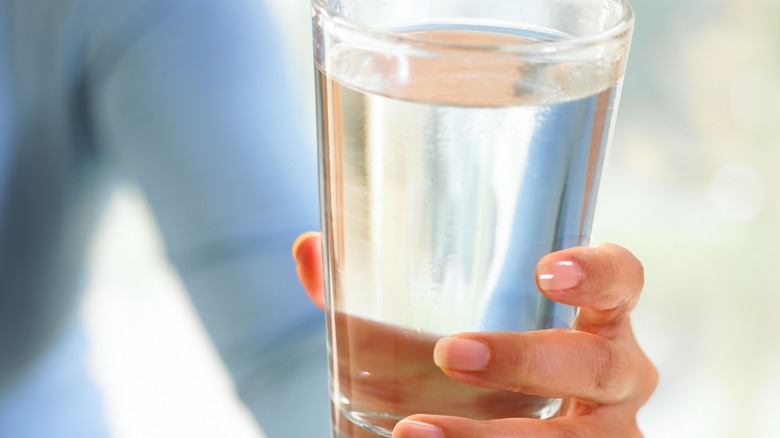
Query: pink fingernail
{"x": 416, "y": 429}
{"x": 558, "y": 276}
{"x": 461, "y": 354}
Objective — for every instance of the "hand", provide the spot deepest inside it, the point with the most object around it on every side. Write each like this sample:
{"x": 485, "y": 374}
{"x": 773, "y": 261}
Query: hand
{"x": 598, "y": 366}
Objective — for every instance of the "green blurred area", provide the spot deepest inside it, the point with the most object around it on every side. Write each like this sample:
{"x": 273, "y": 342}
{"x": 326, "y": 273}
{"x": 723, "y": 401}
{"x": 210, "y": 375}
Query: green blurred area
{"x": 691, "y": 188}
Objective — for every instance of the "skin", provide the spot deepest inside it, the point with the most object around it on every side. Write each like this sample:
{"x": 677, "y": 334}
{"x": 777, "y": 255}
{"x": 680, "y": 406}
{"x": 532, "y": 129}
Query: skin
{"x": 598, "y": 366}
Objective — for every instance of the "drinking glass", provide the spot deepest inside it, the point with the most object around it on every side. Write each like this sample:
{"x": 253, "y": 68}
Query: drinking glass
{"x": 460, "y": 141}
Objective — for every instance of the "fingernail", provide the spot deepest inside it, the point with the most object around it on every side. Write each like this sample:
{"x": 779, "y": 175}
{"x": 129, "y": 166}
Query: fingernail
{"x": 558, "y": 276}
{"x": 461, "y": 354}
{"x": 416, "y": 429}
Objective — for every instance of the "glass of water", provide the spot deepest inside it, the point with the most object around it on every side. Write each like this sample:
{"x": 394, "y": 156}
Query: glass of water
{"x": 460, "y": 141}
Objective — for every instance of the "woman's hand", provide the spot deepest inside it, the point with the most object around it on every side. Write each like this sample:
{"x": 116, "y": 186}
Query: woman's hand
{"x": 598, "y": 367}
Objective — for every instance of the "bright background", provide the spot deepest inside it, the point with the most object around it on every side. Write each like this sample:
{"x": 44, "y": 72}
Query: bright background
{"x": 691, "y": 188}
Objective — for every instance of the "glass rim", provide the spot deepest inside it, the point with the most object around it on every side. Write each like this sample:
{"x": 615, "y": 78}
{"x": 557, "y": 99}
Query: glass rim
{"x": 623, "y": 26}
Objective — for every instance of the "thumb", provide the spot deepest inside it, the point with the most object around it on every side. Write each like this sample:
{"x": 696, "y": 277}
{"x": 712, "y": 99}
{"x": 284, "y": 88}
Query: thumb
{"x": 307, "y": 252}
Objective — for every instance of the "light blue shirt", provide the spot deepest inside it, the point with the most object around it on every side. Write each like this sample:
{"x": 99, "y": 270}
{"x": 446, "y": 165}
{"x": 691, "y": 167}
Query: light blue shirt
{"x": 191, "y": 101}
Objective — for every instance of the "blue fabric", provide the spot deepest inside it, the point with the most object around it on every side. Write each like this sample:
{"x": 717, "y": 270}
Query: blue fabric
{"x": 56, "y": 397}
{"x": 190, "y": 100}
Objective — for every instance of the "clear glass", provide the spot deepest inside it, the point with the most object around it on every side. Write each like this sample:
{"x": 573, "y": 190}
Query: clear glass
{"x": 460, "y": 141}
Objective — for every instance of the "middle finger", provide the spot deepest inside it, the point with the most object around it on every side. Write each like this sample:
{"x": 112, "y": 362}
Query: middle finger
{"x": 554, "y": 363}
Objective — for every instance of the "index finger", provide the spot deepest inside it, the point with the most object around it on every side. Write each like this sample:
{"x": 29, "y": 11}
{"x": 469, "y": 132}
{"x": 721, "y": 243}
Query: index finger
{"x": 605, "y": 281}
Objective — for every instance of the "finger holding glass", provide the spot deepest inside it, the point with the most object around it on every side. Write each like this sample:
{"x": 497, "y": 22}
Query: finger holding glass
{"x": 598, "y": 366}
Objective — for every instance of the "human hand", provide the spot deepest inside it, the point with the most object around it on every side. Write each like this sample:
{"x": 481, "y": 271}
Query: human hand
{"x": 598, "y": 366}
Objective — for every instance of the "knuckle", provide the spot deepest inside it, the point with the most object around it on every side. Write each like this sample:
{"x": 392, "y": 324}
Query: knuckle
{"x": 524, "y": 363}
{"x": 609, "y": 370}
{"x": 617, "y": 277}
{"x": 532, "y": 362}
{"x": 651, "y": 379}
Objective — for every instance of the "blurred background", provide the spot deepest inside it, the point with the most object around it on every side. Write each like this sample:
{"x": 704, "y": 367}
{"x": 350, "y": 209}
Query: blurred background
{"x": 691, "y": 188}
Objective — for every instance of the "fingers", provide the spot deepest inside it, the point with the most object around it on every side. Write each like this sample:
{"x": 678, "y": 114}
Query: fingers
{"x": 307, "y": 252}
{"x": 599, "y": 425}
{"x": 604, "y": 281}
{"x": 599, "y": 363}
{"x": 598, "y": 367}
{"x": 550, "y": 363}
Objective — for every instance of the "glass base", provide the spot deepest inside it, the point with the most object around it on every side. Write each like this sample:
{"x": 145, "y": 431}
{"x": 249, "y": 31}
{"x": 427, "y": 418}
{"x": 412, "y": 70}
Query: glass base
{"x": 373, "y": 424}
